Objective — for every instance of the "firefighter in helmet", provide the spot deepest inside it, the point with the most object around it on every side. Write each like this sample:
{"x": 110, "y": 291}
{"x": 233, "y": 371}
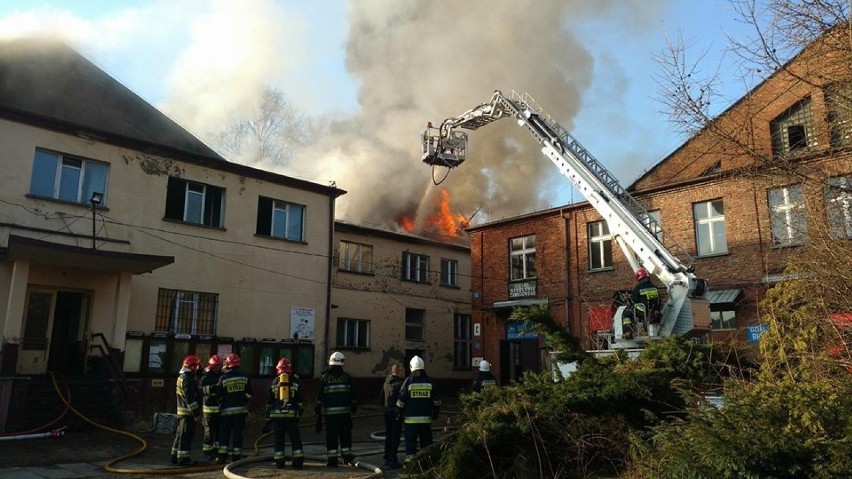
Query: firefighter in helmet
{"x": 484, "y": 379}
{"x": 645, "y": 299}
{"x": 336, "y": 401}
{"x": 234, "y": 391}
{"x": 419, "y": 403}
{"x": 284, "y": 407}
{"x": 188, "y": 409}
{"x": 210, "y": 406}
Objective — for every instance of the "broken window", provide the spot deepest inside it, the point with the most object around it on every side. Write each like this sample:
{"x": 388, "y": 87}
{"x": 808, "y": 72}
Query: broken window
{"x": 793, "y": 131}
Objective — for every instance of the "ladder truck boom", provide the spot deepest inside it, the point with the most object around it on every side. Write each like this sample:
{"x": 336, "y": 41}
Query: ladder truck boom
{"x": 634, "y": 230}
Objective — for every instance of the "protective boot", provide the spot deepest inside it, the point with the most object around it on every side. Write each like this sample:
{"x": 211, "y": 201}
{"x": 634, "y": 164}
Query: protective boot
{"x": 298, "y": 462}
{"x": 331, "y": 462}
{"x": 280, "y": 463}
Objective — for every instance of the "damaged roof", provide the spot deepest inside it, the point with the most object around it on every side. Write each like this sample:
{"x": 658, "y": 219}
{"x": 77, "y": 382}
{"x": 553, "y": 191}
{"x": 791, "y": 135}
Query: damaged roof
{"x": 47, "y": 83}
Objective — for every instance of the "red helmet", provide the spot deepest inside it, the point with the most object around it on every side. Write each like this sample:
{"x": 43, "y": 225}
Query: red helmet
{"x": 641, "y": 273}
{"x": 192, "y": 362}
{"x": 214, "y": 362}
{"x": 232, "y": 361}
{"x": 284, "y": 366}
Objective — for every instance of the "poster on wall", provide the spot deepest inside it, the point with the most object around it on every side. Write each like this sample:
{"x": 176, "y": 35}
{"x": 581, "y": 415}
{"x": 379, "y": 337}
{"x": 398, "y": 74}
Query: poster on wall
{"x": 302, "y": 323}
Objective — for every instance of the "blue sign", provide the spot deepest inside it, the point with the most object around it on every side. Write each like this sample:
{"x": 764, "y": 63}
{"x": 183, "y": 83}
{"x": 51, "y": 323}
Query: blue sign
{"x": 755, "y": 331}
{"x": 520, "y": 330}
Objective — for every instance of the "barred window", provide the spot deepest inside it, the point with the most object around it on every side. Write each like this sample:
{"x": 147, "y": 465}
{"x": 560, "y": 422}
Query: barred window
{"x": 186, "y": 312}
{"x": 838, "y": 100}
{"x": 793, "y": 130}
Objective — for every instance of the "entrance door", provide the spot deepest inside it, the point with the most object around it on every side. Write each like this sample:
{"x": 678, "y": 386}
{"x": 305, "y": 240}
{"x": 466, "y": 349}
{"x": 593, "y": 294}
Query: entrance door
{"x": 68, "y": 345}
{"x": 32, "y": 358}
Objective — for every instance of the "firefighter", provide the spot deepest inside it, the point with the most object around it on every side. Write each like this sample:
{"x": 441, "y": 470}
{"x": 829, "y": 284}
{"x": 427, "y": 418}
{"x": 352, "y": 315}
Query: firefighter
{"x": 419, "y": 403}
{"x": 284, "y": 407}
{"x": 233, "y": 391}
{"x": 645, "y": 298}
{"x": 210, "y": 406}
{"x": 188, "y": 409}
{"x": 484, "y": 379}
{"x": 336, "y": 401}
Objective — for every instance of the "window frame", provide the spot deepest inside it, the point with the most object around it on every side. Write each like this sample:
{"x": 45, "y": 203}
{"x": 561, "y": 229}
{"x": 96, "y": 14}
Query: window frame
{"x": 415, "y": 267}
{"x": 837, "y": 194}
{"x": 799, "y": 116}
{"x": 352, "y": 330}
{"x": 522, "y": 249}
{"x": 449, "y": 272}
{"x": 839, "y": 113}
{"x": 47, "y": 163}
{"x": 415, "y": 318}
{"x": 712, "y": 220}
{"x": 179, "y": 193}
{"x": 789, "y": 211}
{"x": 462, "y": 341}
{"x": 719, "y": 321}
{"x": 169, "y": 316}
{"x": 345, "y": 256}
{"x": 600, "y": 245}
{"x": 271, "y": 210}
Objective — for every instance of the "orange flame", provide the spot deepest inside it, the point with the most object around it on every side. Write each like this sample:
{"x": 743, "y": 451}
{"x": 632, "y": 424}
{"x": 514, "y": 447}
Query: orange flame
{"x": 407, "y": 224}
{"x": 444, "y": 221}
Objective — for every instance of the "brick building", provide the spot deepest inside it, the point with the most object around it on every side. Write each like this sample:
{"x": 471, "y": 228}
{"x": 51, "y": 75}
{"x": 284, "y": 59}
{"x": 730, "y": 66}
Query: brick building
{"x": 768, "y": 177}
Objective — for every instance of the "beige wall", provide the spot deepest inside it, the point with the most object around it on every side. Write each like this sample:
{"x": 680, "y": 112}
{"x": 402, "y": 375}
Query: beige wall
{"x": 258, "y": 279}
{"x": 382, "y": 298}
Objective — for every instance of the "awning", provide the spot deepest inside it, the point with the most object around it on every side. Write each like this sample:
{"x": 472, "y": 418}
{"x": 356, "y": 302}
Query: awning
{"x": 723, "y": 299}
{"x": 65, "y": 256}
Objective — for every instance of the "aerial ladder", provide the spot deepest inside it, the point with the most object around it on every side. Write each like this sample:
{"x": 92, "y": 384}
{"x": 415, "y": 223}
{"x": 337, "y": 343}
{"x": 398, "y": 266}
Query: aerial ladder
{"x": 685, "y": 311}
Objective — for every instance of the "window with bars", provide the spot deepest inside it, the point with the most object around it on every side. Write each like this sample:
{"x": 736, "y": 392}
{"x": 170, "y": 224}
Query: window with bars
{"x": 793, "y": 131}
{"x": 415, "y": 267}
{"x": 461, "y": 341}
{"x": 353, "y": 333}
{"x": 196, "y": 203}
{"x": 67, "y": 178}
{"x": 186, "y": 312}
{"x": 449, "y": 272}
{"x": 522, "y": 257}
{"x": 787, "y": 215}
{"x": 838, "y": 205}
{"x": 280, "y": 219}
{"x": 355, "y": 257}
{"x": 600, "y": 246}
{"x": 414, "y": 324}
{"x": 710, "y": 235}
{"x": 838, "y": 100}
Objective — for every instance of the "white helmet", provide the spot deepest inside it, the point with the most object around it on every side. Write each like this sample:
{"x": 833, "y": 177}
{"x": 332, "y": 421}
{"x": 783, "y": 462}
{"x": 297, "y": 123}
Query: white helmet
{"x": 336, "y": 359}
{"x": 484, "y": 366}
{"x": 417, "y": 364}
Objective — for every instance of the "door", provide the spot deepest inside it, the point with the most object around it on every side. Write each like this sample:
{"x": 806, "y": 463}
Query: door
{"x": 38, "y": 319}
{"x": 67, "y": 349}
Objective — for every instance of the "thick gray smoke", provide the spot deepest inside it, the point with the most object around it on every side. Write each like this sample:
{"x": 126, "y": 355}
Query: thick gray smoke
{"x": 425, "y": 61}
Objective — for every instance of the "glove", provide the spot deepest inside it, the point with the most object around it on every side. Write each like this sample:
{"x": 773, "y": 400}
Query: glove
{"x": 267, "y": 426}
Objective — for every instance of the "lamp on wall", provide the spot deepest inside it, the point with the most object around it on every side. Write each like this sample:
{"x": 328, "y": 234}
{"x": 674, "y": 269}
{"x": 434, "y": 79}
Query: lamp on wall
{"x": 95, "y": 200}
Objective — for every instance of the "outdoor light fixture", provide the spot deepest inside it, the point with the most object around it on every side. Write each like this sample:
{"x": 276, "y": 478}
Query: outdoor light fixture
{"x": 95, "y": 200}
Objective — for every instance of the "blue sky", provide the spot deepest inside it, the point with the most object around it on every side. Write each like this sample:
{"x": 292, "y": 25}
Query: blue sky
{"x": 200, "y": 61}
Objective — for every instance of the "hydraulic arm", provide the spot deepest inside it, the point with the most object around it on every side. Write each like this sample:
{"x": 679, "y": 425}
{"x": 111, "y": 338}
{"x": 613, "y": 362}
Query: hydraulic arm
{"x": 635, "y": 231}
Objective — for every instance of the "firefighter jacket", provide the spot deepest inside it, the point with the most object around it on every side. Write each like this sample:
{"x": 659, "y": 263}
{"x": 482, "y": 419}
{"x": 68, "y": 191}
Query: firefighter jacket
{"x": 208, "y": 389}
{"x": 234, "y": 392}
{"x": 484, "y": 380}
{"x": 418, "y": 400}
{"x": 186, "y": 389}
{"x": 335, "y": 396}
{"x": 646, "y": 300}
{"x": 284, "y": 400}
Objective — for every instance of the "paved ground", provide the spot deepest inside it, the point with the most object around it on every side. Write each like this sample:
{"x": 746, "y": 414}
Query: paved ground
{"x": 84, "y": 453}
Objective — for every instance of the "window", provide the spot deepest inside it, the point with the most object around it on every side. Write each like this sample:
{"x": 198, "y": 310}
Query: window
{"x": 793, "y": 130}
{"x": 449, "y": 272}
{"x": 356, "y": 257}
{"x": 186, "y": 312}
{"x": 414, "y": 324}
{"x": 710, "y": 234}
{"x": 353, "y": 333}
{"x": 280, "y": 219}
{"x": 194, "y": 202}
{"x": 67, "y": 178}
{"x": 461, "y": 341}
{"x": 838, "y": 205}
{"x": 838, "y": 99}
{"x": 522, "y": 257}
{"x": 600, "y": 246}
{"x": 787, "y": 214}
{"x": 721, "y": 320}
{"x": 415, "y": 267}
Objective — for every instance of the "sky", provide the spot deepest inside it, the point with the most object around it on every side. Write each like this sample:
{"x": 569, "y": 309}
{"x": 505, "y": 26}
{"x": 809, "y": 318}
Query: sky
{"x": 379, "y": 70}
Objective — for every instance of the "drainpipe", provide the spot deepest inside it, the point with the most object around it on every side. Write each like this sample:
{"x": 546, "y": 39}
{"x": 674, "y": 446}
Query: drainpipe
{"x": 328, "y": 275}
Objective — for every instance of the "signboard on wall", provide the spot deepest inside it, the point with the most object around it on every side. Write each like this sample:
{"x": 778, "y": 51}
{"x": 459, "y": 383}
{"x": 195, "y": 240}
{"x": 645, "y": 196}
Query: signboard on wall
{"x": 302, "y": 322}
{"x": 520, "y": 330}
{"x": 522, "y": 289}
{"x": 755, "y": 331}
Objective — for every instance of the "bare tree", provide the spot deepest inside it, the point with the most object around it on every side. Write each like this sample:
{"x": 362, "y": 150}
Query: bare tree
{"x": 271, "y": 133}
